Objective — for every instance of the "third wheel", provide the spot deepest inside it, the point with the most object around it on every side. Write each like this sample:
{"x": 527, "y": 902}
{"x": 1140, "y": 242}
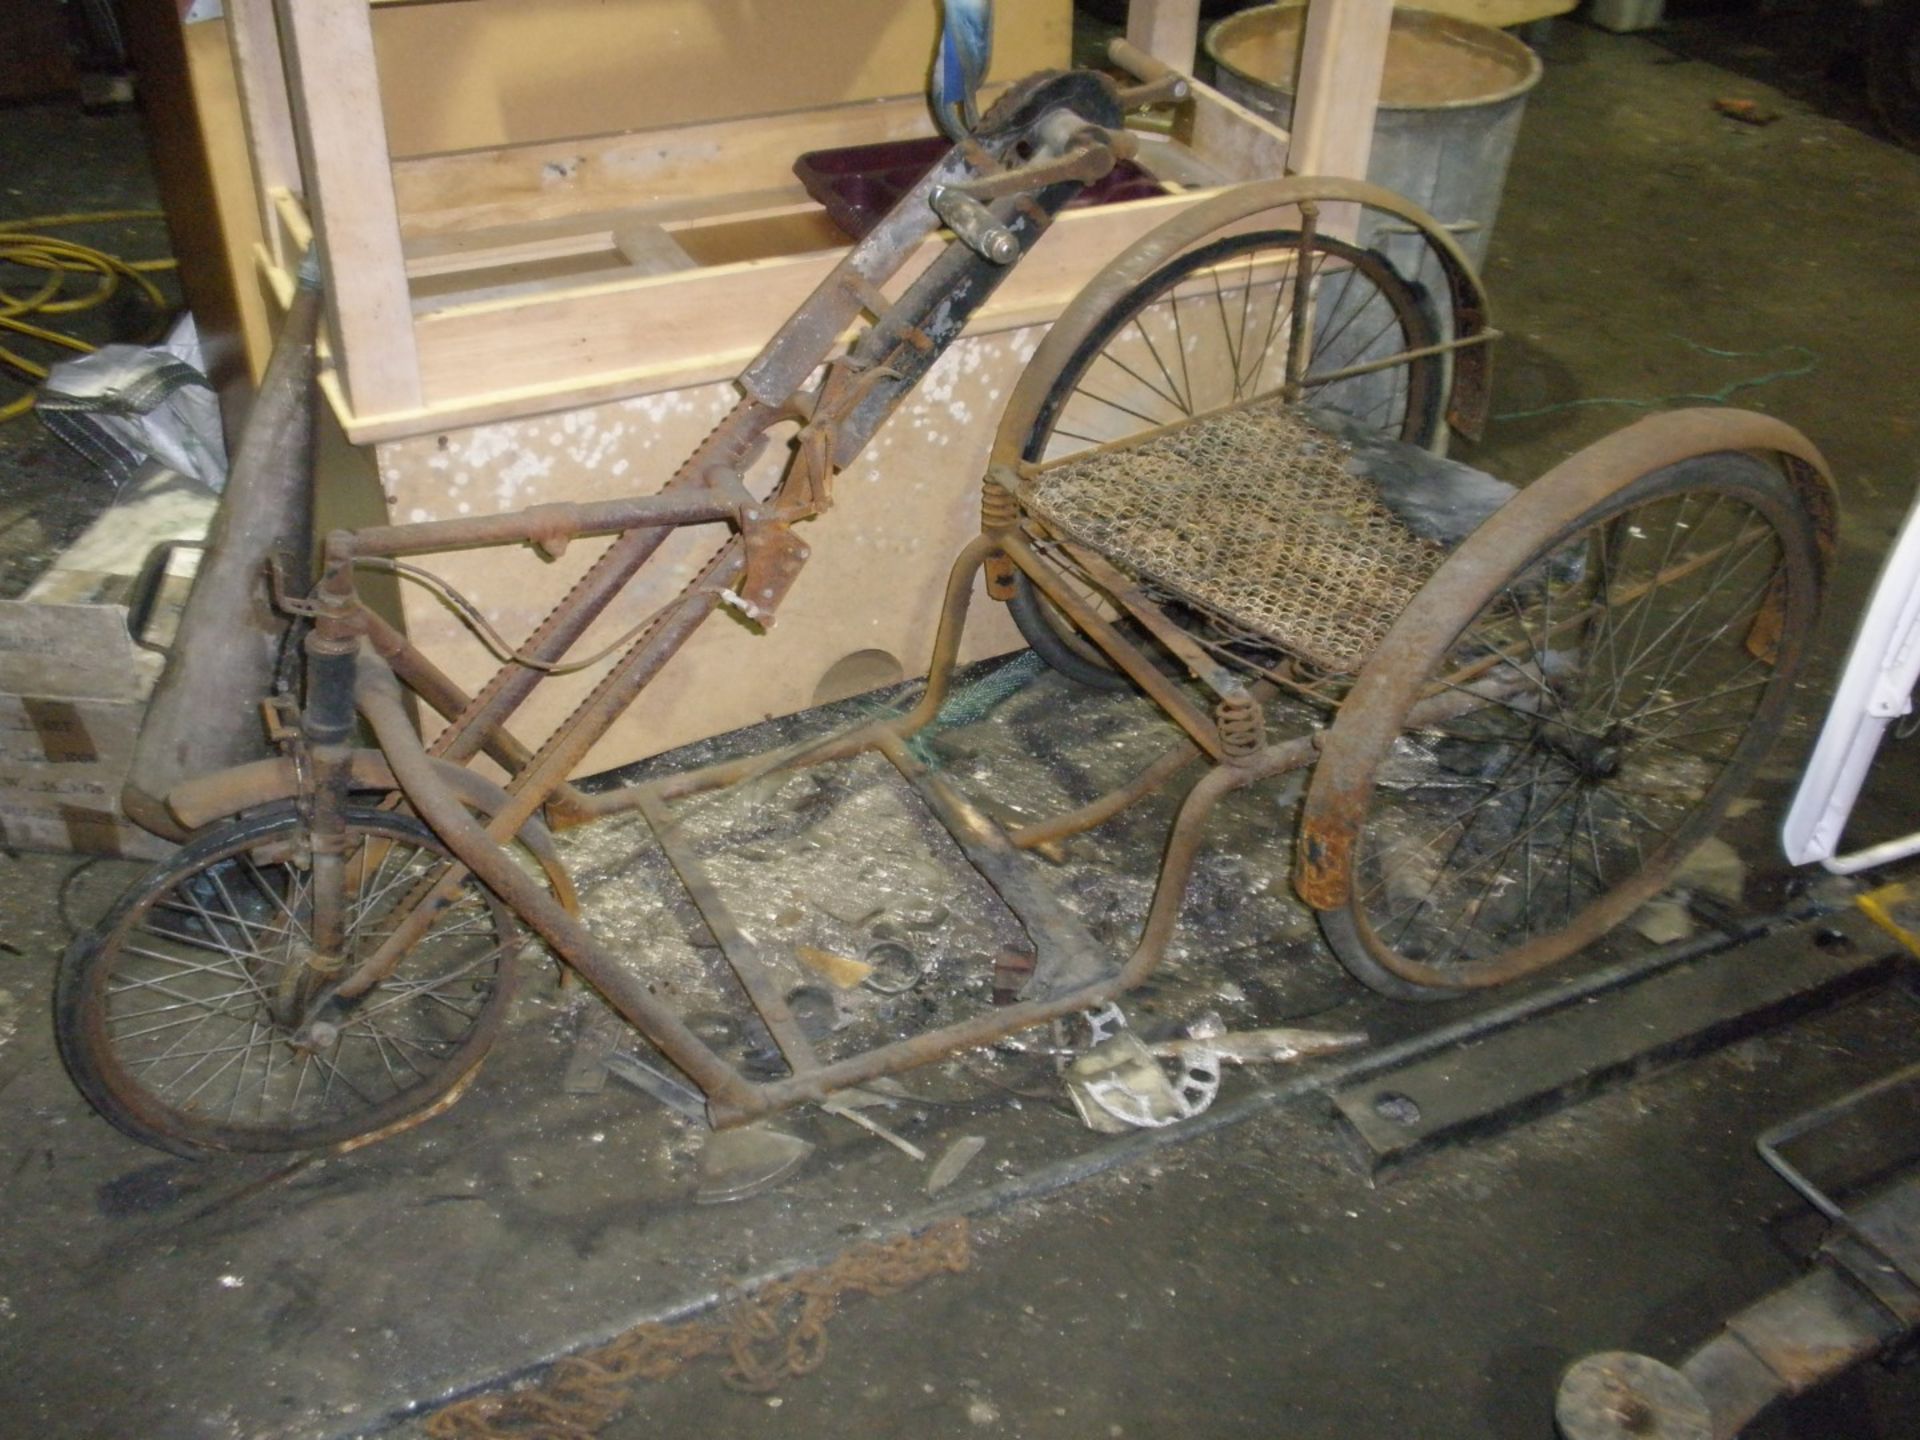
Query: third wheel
{"x": 1613, "y": 688}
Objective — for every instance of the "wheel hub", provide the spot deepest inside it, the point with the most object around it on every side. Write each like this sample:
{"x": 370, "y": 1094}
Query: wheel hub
{"x": 1593, "y": 757}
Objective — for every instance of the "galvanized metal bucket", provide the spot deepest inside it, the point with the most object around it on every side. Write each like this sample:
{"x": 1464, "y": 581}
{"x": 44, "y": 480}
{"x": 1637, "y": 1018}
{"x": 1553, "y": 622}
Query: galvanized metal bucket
{"x": 1450, "y": 105}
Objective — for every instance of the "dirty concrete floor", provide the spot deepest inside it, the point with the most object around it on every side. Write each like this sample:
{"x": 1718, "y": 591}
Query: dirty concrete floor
{"x": 1251, "y": 1282}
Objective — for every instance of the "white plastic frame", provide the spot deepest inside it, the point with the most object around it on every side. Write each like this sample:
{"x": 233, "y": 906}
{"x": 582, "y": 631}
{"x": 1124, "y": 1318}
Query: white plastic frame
{"x": 1876, "y": 688}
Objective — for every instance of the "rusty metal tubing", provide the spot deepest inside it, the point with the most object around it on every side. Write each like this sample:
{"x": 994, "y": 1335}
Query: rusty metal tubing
{"x": 940, "y": 667}
{"x": 1098, "y": 812}
{"x": 772, "y": 378}
{"x": 432, "y": 685}
{"x": 1201, "y": 664}
{"x": 729, "y": 444}
{"x": 272, "y": 782}
{"x": 545, "y": 525}
{"x": 1183, "y": 844}
{"x": 741, "y": 951}
{"x": 1142, "y": 671}
{"x": 1471, "y": 361}
{"x": 421, "y": 781}
{"x": 783, "y": 366}
{"x": 770, "y": 382}
{"x": 1376, "y": 708}
{"x": 531, "y": 788}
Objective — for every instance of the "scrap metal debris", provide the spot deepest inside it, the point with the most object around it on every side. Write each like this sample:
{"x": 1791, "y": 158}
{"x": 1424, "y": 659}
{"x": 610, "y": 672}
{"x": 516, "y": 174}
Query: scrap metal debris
{"x": 735, "y": 1164}
{"x": 1121, "y": 1084}
{"x": 839, "y": 970}
{"x": 959, "y": 1155}
{"x": 776, "y": 1333}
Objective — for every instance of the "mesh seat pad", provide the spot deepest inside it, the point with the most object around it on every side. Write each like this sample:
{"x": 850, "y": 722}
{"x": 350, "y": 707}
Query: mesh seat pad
{"x": 1254, "y": 516}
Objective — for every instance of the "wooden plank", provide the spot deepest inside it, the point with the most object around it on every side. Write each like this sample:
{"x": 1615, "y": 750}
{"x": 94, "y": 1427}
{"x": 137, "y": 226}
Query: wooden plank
{"x": 708, "y": 322}
{"x": 69, "y": 652}
{"x": 1243, "y": 145}
{"x": 292, "y": 231}
{"x": 70, "y": 736}
{"x": 343, "y": 150}
{"x": 253, "y": 38}
{"x": 1343, "y": 54}
{"x": 1168, "y": 30}
{"x": 651, "y": 250}
{"x": 445, "y": 193}
{"x": 86, "y": 823}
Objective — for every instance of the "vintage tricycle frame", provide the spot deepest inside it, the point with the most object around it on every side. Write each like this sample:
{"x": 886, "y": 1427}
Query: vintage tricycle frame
{"x": 997, "y": 193}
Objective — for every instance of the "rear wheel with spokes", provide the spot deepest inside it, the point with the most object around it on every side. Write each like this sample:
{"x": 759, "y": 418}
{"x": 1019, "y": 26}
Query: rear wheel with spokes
{"x": 1215, "y": 326}
{"x": 1582, "y": 732}
{"x": 171, "y": 1015}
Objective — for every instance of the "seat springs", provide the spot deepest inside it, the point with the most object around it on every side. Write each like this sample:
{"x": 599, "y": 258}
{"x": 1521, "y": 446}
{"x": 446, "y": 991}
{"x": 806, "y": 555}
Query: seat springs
{"x": 999, "y": 510}
{"x": 1242, "y": 726}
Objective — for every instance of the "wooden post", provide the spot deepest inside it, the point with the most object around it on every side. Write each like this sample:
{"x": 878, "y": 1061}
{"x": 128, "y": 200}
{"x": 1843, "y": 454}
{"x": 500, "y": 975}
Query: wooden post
{"x": 254, "y": 40}
{"x": 334, "y": 91}
{"x": 1342, "y": 56}
{"x": 1168, "y": 30}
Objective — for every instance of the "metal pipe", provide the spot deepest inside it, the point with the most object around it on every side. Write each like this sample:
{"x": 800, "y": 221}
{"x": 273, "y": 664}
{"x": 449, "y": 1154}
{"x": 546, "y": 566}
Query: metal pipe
{"x": 564, "y": 749}
{"x": 1098, "y": 812}
{"x": 546, "y": 525}
{"x": 512, "y": 683}
{"x": 379, "y": 698}
{"x": 1128, "y": 657}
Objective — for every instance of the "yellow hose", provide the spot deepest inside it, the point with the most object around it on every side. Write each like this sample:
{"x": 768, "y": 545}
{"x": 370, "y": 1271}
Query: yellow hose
{"x": 65, "y": 265}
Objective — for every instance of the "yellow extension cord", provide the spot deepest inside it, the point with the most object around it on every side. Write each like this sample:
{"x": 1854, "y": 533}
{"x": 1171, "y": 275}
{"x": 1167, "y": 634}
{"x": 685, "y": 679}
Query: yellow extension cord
{"x": 63, "y": 262}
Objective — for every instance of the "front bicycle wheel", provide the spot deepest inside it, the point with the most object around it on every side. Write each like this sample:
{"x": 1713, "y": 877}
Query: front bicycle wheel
{"x": 1213, "y": 327}
{"x": 165, "y": 1015}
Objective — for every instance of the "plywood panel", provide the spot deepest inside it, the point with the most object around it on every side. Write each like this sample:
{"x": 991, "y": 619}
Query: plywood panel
{"x": 880, "y": 557}
{"x": 507, "y": 71}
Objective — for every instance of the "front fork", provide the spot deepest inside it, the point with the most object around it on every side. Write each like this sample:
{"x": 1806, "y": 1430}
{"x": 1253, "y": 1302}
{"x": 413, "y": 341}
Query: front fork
{"x": 327, "y": 725}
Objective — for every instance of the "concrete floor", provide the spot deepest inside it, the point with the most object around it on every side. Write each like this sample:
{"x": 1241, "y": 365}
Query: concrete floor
{"x": 1251, "y": 1281}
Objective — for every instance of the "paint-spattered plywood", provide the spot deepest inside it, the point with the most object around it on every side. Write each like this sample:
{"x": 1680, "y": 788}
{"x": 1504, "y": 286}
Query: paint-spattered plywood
{"x": 867, "y": 602}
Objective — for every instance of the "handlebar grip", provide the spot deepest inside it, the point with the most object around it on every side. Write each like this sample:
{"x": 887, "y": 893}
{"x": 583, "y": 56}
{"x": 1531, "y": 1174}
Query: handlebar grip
{"x": 1159, "y": 80}
{"x": 975, "y": 225}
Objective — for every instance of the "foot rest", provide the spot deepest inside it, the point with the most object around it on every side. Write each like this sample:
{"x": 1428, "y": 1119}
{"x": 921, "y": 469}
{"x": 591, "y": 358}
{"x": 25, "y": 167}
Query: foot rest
{"x": 1297, "y": 527}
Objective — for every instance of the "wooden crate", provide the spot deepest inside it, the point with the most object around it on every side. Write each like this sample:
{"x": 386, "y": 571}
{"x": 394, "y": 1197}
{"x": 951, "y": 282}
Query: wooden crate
{"x": 560, "y": 319}
{"x": 72, "y": 691}
{"x": 74, "y": 687}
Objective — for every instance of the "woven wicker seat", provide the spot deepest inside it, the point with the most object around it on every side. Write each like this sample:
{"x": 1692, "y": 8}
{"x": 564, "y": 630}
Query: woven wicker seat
{"x": 1259, "y": 517}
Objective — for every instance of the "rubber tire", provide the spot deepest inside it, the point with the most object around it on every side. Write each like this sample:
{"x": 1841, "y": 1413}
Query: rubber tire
{"x": 88, "y": 1059}
{"x": 1346, "y": 930}
{"x": 1034, "y": 617}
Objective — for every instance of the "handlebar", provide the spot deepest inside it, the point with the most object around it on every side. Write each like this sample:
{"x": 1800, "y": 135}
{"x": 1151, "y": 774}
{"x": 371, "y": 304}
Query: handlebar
{"x": 1070, "y": 148}
{"x": 1159, "y": 82}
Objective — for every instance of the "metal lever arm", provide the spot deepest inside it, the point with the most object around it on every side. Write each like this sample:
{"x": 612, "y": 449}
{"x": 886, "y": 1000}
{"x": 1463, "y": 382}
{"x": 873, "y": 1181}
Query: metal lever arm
{"x": 1084, "y": 153}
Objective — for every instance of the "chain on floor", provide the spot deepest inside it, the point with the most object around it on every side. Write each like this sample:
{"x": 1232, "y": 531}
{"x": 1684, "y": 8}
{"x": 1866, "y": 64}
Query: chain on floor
{"x": 777, "y": 1332}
